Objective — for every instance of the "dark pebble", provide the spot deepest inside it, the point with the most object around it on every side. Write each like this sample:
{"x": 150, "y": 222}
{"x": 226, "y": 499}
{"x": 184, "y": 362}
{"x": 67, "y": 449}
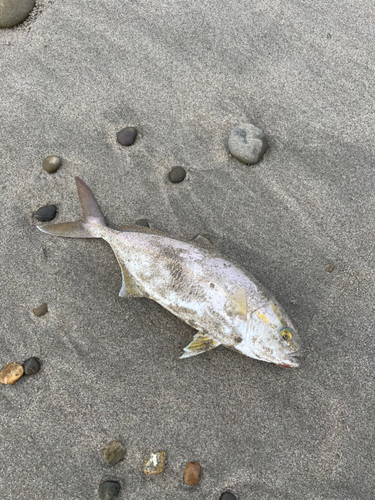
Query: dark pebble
{"x": 227, "y": 496}
{"x": 127, "y": 136}
{"x": 177, "y": 174}
{"x": 109, "y": 490}
{"x": 330, "y": 267}
{"x": 113, "y": 452}
{"x": 46, "y": 213}
{"x": 41, "y": 310}
{"x": 51, "y": 163}
{"x": 142, "y": 222}
{"x": 31, "y": 366}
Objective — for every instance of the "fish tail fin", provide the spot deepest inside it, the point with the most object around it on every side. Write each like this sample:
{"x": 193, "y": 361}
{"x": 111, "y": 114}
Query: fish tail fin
{"x": 87, "y": 227}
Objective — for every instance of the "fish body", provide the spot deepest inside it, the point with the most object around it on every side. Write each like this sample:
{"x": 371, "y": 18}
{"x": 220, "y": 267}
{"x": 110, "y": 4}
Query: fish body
{"x": 224, "y": 304}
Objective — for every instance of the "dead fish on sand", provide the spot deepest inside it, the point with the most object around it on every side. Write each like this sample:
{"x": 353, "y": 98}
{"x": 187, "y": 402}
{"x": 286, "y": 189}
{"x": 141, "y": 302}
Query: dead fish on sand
{"x": 193, "y": 282}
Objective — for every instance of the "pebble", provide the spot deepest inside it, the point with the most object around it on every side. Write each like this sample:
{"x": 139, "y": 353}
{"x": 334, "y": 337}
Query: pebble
{"x": 247, "y": 143}
{"x": 177, "y": 174}
{"x": 330, "y": 267}
{"x": 156, "y": 463}
{"x": 41, "y": 310}
{"x": 46, "y": 213}
{"x": 51, "y": 163}
{"x": 11, "y": 373}
{"x": 127, "y": 136}
{"x": 109, "y": 490}
{"x": 31, "y": 366}
{"x": 192, "y": 473}
{"x": 113, "y": 453}
{"x": 227, "y": 496}
{"x": 13, "y": 12}
{"x": 142, "y": 222}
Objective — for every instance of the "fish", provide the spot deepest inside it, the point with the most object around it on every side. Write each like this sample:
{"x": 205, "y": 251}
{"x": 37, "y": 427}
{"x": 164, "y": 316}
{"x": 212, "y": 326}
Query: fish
{"x": 193, "y": 281}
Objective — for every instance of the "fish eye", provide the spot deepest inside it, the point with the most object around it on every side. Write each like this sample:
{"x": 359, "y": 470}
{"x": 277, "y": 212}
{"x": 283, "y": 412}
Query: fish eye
{"x": 286, "y": 334}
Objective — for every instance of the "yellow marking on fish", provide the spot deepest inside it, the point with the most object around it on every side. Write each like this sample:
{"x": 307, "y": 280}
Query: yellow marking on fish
{"x": 262, "y": 316}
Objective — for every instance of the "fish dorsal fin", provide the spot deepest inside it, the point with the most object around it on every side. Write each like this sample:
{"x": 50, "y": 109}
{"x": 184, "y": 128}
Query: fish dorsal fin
{"x": 200, "y": 343}
{"x": 128, "y": 288}
{"x": 203, "y": 242}
{"x": 237, "y": 304}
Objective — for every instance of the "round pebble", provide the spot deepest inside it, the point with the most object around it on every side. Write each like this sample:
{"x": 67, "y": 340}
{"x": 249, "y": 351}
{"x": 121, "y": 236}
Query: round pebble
{"x": 192, "y": 473}
{"x": 31, "y": 366}
{"x": 51, "y": 163}
{"x": 13, "y": 12}
{"x": 142, "y": 222}
{"x": 227, "y": 496}
{"x": 46, "y": 213}
{"x": 41, "y": 310}
{"x": 177, "y": 174}
{"x": 127, "y": 136}
{"x": 113, "y": 452}
{"x": 11, "y": 373}
{"x": 109, "y": 490}
{"x": 247, "y": 143}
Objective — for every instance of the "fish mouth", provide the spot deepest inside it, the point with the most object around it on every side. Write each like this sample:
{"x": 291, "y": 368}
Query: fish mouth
{"x": 292, "y": 361}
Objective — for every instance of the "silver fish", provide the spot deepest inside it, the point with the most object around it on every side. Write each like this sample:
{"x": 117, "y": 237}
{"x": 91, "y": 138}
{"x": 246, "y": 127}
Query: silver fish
{"x": 192, "y": 281}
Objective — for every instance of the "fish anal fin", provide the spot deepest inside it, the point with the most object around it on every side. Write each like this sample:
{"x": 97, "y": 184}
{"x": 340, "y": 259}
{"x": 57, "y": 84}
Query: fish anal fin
{"x": 203, "y": 242}
{"x": 200, "y": 343}
{"x": 237, "y": 304}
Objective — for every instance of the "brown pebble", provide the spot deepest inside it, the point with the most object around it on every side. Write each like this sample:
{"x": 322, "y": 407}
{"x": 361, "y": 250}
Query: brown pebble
{"x": 11, "y": 373}
{"x": 113, "y": 452}
{"x": 192, "y": 473}
{"x": 156, "y": 463}
{"x": 330, "y": 267}
{"x": 41, "y": 310}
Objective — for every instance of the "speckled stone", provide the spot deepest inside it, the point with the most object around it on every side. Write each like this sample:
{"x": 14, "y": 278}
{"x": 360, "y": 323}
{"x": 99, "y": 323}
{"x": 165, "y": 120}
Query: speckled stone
{"x": 127, "y": 136}
{"x": 31, "y": 366}
{"x": 109, "y": 490}
{"x": 46, "y": 213}
{"x": 192, "y": 473}
{"x": 156, "y": 463}
{"x": 113, "y": 453}
{"x": 227, "y": 496}
{"x": 11, "y": 373}
{"x": 247, "y": 143}
{"x": 13, "y": 12}
{"x": 177, "y": 174}
{"x": 51, "y": 163}
{"x": 41, "y": 310}
{"x": 330, "y": 267}
{"x": 142, "y": 222}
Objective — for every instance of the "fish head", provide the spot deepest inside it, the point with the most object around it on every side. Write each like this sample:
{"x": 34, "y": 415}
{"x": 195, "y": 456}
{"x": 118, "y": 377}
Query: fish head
{"x": 270, "y": 336}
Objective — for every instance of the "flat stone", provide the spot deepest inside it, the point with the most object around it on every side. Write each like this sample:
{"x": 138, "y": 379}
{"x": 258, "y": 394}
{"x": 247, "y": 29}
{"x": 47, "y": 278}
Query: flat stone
{"x": 51, "y": 163}
{"x": 113, "y": 453}
{"x": 247, "y": 143}
{"x": 142, "y": 222}
{"x": 156, "y": 463}
{"x": 13, "y": 12}
{"x": 227, "y": 496}
{"x": 127, "y": 136}
{"x": 109, "y": 490}
{"x": 31, "y": 366}
{"x": 330, "y": 267}
{"x": 41, "y": 310}
{"x": 46, "y": 213}
{"x": 11, "y": 373}
{"x": 192, "y": 473}
{"x": 177, "y": 174}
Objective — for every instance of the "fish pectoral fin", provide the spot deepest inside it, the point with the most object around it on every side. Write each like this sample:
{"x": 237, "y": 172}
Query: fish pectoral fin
{"x": 203, "y": 242}
{"x": 237, "y": 304}
{"x": 200, "y": 343}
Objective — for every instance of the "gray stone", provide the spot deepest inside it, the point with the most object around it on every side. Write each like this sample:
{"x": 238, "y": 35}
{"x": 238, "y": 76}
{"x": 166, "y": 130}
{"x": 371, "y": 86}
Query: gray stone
{"x": 227, "y": 496}
{"x": 247, "y": 143}
{"x": 109, "y": 490}
{"x": 113, "y": 452}
{"x": 46, "y": 213}
{"x": 177, "y": 174}
{"x": 31, "y": 366}
{"x": 51, "y": 163}
{"x": 13, "y": 12}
